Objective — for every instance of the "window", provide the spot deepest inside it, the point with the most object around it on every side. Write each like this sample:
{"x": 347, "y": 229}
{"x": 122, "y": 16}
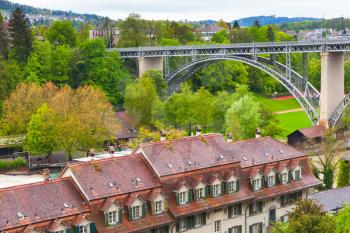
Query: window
{"x": 164, "y": 229}
{"x": 135, "y": 212}
{"x": 236, "y": 210}
{"x": 217, "y": 226}
{"x": 235, "y": 229}
{"x": 182, "y": 224}
{"x": 284, "y": 177}
{"x": 271, "y": 181}
{"x": 255, "y": 207}
{"x": 256, "y": 184}
{"x": 158, "y": 207}
{"x": 183, "y": 198}
{"x": 291, "y": 198}
{"x": 297, "y": 174}
{"x": 83, "y": 229}
{"x": 256, "y": 228}
{"x": 200, "y": 193}
{"x": 113, "y": 217}
{"x": 58, "y": 231}
{"x": 231, "y": 186}
{"x": 216, "y": 190}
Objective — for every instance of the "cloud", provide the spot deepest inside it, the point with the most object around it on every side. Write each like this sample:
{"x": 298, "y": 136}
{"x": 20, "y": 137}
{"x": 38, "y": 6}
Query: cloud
{"x": 199, "y": 9}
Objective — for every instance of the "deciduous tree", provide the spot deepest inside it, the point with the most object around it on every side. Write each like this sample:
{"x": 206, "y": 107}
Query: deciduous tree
{"x": 62, "y": 32}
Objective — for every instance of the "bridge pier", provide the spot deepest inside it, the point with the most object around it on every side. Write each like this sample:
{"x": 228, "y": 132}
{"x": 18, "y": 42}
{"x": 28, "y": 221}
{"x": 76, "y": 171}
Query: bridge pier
{"x": 148, "y": 63}
{"x": 332, "y": 84}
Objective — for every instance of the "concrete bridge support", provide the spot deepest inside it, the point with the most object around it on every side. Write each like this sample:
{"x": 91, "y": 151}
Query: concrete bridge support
{"x": 148, "y": 63}
{"x": 332, "y": 84}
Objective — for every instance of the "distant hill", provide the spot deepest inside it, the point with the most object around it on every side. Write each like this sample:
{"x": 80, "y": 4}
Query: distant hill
{"x": 45, "y": 16}
{"x": 264, "y": 20}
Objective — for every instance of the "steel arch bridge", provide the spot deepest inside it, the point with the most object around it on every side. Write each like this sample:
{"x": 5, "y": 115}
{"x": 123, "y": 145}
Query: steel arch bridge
{"x": 324, "y": 107}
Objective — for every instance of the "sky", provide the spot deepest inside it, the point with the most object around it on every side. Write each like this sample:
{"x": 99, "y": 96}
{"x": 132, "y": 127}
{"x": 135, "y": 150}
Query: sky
{"x": 199, "y": 9}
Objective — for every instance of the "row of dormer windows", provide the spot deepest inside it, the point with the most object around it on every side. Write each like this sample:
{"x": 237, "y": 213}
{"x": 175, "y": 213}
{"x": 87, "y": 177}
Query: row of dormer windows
{"x": 272, "y": 179}
{"x": 185, "y": 196}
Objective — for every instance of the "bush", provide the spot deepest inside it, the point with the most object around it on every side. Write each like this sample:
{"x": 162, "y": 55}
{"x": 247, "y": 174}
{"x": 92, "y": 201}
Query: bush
{"x": 343, "y": 174}
{"x": 6, "y": 165}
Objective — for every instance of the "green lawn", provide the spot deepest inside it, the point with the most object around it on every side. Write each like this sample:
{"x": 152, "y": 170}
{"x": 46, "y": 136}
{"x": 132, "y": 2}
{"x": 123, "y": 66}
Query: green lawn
{"x": 293, "y": 120}
{"x": 278, "y": 105}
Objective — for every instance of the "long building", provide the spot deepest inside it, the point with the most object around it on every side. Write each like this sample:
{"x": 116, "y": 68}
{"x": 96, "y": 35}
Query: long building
{"x": 194, "y": 184}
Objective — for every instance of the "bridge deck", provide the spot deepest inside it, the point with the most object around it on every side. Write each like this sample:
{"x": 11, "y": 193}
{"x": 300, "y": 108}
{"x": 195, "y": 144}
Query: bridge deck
{"x": 238, "y": 49}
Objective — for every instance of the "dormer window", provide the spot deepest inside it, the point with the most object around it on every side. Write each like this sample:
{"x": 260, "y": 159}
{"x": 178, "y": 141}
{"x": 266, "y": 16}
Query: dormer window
{"x": 216, "y": 190}
{"x": 137, "y": 210}
{"x": 256, "y": 182}
{"x": 231, "y": 186}
{"x": 200, "y": 193}
{"x": 284, "y": 176}
{"x": 159, "y": 207}
{"x": 271, "y": 179}
{"x": 183, "y": 197}
{"x": 297, "y": 173}
{"x": 113, "y": 217}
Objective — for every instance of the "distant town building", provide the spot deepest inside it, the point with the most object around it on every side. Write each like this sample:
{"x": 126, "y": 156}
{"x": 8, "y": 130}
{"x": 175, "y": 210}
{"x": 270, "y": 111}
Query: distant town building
{"x": 195, "y": 184}
{"x": 332, "y": 200}
{"x": 111, "y": 35}
{"x": 207, "y": 32}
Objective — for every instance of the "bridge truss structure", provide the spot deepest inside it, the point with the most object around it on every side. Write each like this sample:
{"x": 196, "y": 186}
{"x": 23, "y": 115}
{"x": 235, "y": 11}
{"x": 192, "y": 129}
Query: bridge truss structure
{"x": 253, "y": 54}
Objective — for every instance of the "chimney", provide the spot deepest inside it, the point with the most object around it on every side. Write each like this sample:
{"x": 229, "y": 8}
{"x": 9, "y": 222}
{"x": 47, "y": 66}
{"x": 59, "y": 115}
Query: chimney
{"x": 162, "y": 136}
{"x": 257, "y": 133}
{"x": 229, "y": 137}
{"x": 46, "y": 174}
{"x": 198, "y": 130}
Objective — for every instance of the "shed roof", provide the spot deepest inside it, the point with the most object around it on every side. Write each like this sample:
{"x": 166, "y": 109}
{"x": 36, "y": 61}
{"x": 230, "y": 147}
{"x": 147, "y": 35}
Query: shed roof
{"x": 332, "y": 199}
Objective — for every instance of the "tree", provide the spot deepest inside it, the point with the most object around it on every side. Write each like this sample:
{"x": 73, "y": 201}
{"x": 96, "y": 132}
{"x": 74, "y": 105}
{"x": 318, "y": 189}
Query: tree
{"x": 21, "y": 36}
{"x": 133, "y": 32}
{"x": 159, "y": 81}
{"x": 236, "y": 25}
{"x": 42, "y": 132}
{"x": 140, "y": 98}
{"x": 256, "y": 23}
{"x": 38, "y": 66}
{"x": 4, "y": 40}
{"x": 62, "y": 32}
{"x": 342, "y": 220}
{"x": 222, "y": 102}
{"x": 270, "y": 34}
{"x": 60, "y": 64}
{"x": 327, "y": 159}
{"x": 343, "y": 174}
{"x": 203, "y": 108}
{"x": 307, "y": 216}
{"x": 221, "y": 37}
{"x": 245, "y": 111}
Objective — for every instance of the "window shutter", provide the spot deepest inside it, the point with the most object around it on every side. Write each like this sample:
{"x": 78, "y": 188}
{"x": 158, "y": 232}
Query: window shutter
{"x": 106, "y": 220}
{"x": 277, "y": 177}
{"x": 76, "y": 229}
{"x": 297, "y": 174}
{"x": 211, "y": 190}
{"x": 92, "y": 228}
{"x": 250, "y": 209}
{"x": 153, "y": 230}
{"x": 290, "y": 176}
{"x": 144, "y": 206}
{"x": 230, "y": 230}
{"x": 68, "y": 230}
{"x": 260, "y": 230}
{"x": 251, "y": 229}
{"x": 239, "y": 208}
{"x": 203, "y": 218}
{"x": 195, "y": 195}
{"x": 190, "y": 194}
{"x": 230, "y": 208}
{"x": 239, "y": 230}
{"x": 260, "y": 206}
{"x": 223, "y": 188}
{"x": 120, "y": 213}
{"x": 206, "y": 192}
{"x": 177, "y": 227}
{"x": 190, "y": 222}
{"x": 177, "y": 198}
{"x": 263, "y": 182}
{"x": 238, "y": 185}
{"x": 130, "y": 213}
{"x": 166, "y": 229}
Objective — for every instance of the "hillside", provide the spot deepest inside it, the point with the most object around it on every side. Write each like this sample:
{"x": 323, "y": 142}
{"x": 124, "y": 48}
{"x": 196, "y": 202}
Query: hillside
{"x": 264, "y": 20}
{"x": 45, "y": 16}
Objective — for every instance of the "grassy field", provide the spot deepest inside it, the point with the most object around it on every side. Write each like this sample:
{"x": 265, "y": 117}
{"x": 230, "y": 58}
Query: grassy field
{"x": 293, "y": 120}
{"x": 289, "y": 121}
{"x": 278, "y": 105}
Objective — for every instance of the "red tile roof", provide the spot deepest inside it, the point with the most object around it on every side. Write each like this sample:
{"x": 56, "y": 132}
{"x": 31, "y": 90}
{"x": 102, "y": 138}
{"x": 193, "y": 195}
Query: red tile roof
{"x": 95, "y": 177}
{"x": 39, "y": 202}
{"x": 264, "y": 150}
{"x": 314, "y": 131}
{"x": 187, "y": 154}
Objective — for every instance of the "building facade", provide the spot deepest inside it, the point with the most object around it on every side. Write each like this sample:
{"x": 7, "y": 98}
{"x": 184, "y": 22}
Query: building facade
{"x": 193, "y": 184}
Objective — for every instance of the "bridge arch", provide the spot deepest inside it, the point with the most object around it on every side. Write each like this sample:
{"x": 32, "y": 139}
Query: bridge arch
{"x": 307, "y": 96}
